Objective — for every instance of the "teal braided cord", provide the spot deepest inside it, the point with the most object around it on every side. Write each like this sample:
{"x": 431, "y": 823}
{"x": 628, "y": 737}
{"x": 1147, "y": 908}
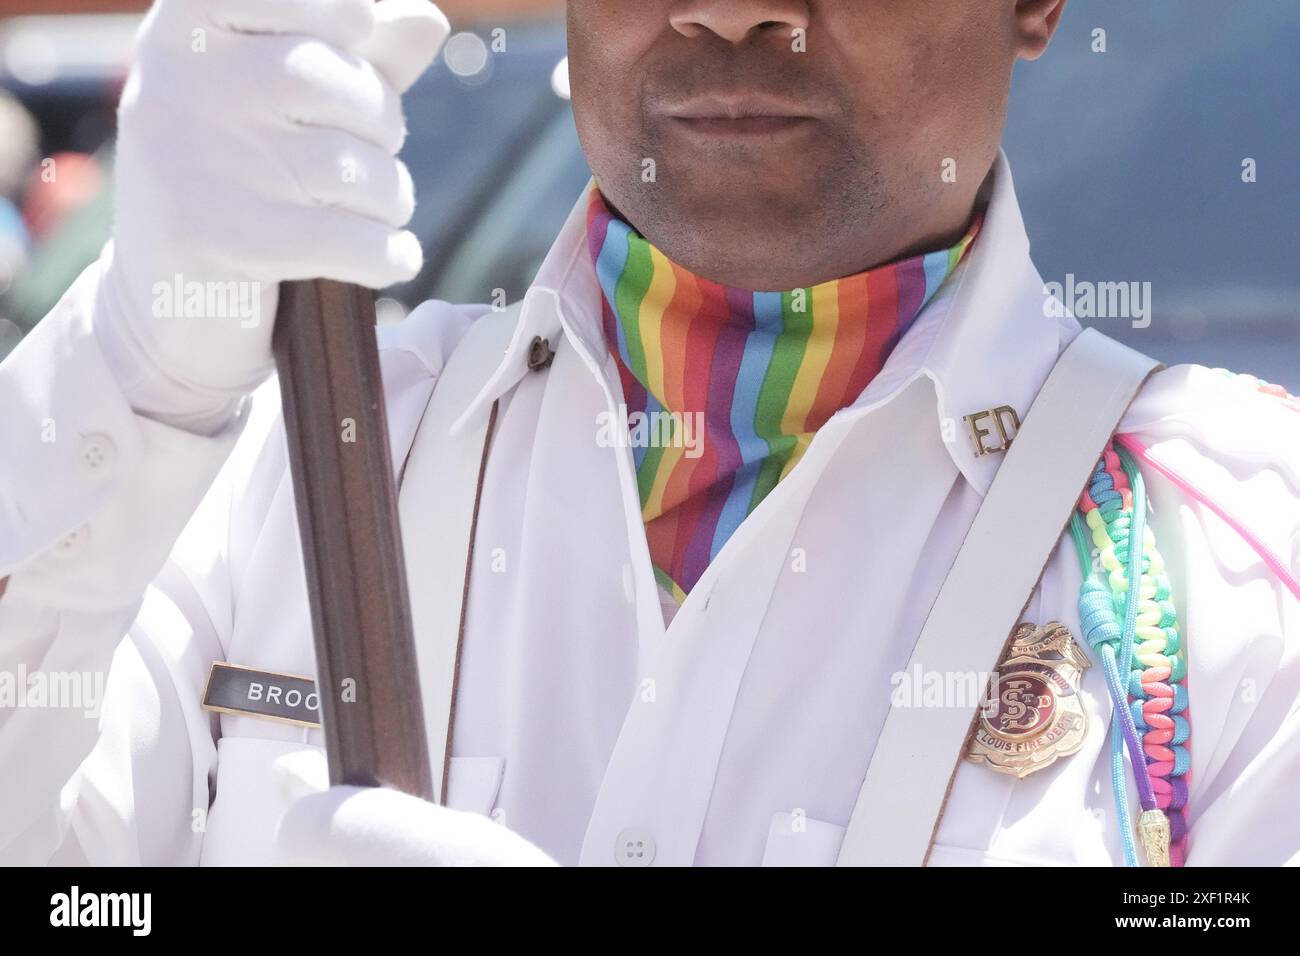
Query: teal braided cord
{"x": 1132, "y": 598}
{"x": 1168, "y": 764}
{"x": 1119, "y": 522}
{"x": 1106, "y": 655}
{"x": 1082, "y": 543}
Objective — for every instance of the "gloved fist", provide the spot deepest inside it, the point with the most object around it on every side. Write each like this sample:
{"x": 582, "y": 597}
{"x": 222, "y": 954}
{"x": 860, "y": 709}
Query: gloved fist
{"x": 257, "y": 143}
{"x": 373, "y": 826}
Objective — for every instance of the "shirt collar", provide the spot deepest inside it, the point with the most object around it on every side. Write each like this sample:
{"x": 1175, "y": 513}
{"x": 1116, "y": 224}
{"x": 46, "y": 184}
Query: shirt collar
{"x": 565, "y": 285}
{"x": 985, "y": 339}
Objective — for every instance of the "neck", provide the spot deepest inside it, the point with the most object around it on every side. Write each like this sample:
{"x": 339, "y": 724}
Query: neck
{"x": 815, "y": 253}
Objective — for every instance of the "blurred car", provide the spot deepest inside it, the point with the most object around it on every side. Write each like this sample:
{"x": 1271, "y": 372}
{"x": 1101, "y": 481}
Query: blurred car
{"x": 496, "y": 162}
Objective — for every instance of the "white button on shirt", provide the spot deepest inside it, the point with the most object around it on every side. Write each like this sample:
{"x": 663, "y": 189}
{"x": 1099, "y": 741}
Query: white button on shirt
{"x": 72, "y": 543}
{"x": 98, "y": 454}
{"x": 634, "y": 847}
{"x": 737, "y": 731}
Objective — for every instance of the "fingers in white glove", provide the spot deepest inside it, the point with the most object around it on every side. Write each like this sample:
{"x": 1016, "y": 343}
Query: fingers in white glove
{"x": 311, "y": 83}
{"x": 340, "y": 245}
{"x": 404, "y": 40}
{"x": 257, "y": 143}
{"x": 342, "y": 23}
{"x": 400, "y": 37}
{"x": 375, "y": 826}
{"x": 335, "y": 169}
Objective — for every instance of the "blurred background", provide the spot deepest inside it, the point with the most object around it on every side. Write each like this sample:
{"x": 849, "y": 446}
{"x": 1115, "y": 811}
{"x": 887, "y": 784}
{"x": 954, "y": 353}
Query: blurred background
{"x": 1128, "y": 162}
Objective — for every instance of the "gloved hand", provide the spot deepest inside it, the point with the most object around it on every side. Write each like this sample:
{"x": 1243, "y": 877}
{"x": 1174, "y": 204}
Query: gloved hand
{"x": 373, "y": 826}
{"x": 257, "y": 143}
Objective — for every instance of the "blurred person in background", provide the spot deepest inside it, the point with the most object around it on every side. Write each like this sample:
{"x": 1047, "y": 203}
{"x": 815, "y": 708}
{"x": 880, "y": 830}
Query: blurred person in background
{"x": 802, "y": 248}
{"x": 19, "y": 151}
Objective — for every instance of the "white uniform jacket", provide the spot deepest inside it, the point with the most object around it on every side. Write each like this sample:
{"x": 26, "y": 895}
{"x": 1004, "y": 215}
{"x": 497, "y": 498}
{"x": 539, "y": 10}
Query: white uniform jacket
{"x": 740, "y": 733}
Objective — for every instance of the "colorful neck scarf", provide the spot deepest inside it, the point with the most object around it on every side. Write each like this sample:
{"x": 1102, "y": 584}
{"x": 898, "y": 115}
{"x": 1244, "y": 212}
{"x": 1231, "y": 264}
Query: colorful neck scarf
{"x": 725, "y": 388}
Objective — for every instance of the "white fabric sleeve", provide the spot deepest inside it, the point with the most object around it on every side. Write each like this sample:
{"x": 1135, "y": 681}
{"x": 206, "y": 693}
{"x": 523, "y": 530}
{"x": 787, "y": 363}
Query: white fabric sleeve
{"x": 92, "y": 499}
{"x": 1239, "y": 621}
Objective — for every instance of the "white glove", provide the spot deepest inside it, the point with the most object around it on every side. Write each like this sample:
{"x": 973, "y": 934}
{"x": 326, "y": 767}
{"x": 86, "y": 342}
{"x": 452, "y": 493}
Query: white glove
{"x": 257, "y": 143}
{"x": 374, "y": 826}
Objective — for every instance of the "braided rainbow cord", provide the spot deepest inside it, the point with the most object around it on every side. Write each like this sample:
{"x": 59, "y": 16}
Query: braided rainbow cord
{"x": 1149, "y": 717}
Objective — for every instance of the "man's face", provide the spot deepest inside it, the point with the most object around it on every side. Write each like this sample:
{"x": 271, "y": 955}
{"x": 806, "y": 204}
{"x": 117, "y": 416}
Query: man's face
{"x": 770, "y": 144}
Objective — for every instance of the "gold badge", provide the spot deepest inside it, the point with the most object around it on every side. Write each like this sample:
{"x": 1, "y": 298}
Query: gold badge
{"x": 1033, "y": 713}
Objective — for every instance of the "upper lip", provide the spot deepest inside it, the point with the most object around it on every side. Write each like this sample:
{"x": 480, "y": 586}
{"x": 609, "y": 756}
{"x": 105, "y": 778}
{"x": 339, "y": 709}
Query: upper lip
{"x": 737, "y": 106}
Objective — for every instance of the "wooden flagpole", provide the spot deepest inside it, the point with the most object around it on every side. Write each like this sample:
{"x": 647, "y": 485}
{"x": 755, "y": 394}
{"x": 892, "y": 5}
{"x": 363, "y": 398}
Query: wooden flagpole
{"x": 346, "y": 494}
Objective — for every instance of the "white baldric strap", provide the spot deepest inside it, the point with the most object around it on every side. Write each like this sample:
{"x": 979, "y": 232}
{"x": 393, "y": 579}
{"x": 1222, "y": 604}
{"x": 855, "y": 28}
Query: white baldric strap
{"x": 438, "y": 507}
{"x": 992, "y": 579}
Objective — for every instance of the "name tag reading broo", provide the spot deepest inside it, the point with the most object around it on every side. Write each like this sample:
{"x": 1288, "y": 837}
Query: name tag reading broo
{"x": 248, "y": 692}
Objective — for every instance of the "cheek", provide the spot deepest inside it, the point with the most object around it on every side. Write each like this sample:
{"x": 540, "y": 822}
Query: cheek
{"x": 605, "y": 129}
{"x": 908, "y": 56}
{"x": 931, "y": 89}
{"x": 604, "y": 79}
{"x": 608, "y": 41}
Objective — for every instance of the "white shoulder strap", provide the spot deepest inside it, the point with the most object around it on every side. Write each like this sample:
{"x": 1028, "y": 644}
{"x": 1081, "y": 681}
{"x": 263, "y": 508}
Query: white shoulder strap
{"x": 1018, "y": 526}
{"x": 438, "y": 508}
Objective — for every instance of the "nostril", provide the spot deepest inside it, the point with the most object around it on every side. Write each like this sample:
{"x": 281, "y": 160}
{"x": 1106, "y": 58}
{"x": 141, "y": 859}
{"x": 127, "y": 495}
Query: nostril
{"x": 734, "y": 20}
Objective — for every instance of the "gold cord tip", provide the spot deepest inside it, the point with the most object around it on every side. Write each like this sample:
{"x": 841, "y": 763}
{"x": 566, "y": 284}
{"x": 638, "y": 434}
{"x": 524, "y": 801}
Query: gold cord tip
{"x": 1153, "y": 827}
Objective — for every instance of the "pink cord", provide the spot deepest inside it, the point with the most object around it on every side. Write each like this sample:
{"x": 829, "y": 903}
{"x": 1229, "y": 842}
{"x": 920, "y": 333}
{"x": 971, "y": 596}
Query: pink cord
{"x": 1274, "y": 563}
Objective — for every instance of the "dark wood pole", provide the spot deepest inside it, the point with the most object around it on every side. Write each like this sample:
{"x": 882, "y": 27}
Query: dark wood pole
{"x": 328, "y": 363}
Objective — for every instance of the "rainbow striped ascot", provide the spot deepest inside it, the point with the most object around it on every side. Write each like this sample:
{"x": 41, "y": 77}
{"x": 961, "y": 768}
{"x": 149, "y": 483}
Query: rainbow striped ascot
{"x": 735, "y": 383}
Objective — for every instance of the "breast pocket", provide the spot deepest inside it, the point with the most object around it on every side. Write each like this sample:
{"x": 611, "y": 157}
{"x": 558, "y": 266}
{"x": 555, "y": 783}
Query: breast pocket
{"x": 794, "y": 839}
{"x": 941, "y": 855}
{"x": 239, "y": 828}
{"x": 474, "y": 783}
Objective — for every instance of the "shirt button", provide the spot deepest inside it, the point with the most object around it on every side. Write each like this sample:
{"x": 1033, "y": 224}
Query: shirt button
{"x": 72, "y": 543}
{"x": 97, "y": 454}
{"x": 635, "y": 847}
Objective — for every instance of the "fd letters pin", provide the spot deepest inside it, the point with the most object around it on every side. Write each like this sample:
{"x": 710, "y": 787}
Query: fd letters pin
{"x": 1034, "y": 714}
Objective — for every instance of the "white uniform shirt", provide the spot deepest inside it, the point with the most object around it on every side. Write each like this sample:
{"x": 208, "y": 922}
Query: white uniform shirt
{"x": 738, "y": 734}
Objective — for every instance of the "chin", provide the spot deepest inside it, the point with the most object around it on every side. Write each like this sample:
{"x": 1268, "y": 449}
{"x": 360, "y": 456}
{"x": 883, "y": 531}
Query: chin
{"x": 747, "y": 249}
{"x": 736, "y": 206}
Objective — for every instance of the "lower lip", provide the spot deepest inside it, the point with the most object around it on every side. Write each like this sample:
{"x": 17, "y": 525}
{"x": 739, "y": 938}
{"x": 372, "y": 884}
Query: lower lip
{"x": 741, "y": 127}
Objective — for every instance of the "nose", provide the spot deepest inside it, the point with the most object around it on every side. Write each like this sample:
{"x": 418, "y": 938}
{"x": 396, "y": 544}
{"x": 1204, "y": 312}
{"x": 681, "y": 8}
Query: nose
{"x": 738, "y": 20}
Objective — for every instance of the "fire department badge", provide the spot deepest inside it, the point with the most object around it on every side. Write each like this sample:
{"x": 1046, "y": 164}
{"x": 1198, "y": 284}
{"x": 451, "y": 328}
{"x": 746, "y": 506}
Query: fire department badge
{"x": 1033, "y": 713}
